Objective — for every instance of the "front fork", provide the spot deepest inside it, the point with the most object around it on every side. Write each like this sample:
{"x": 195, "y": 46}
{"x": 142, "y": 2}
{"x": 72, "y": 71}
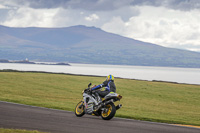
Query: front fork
{"x": 80, "y": 106}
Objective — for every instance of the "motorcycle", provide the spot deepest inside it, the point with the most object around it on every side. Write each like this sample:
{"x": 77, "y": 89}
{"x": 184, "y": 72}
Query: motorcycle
{"x": 89, "y": 105}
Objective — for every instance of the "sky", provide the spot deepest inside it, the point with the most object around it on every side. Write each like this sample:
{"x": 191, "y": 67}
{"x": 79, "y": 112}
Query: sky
{"x": 169, "y": 23}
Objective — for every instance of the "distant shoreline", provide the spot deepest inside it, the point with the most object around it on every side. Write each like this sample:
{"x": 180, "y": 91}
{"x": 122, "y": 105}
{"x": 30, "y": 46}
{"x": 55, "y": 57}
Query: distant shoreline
{"x": 179, "y": 75}
{"x": 30, "y": 62}
{"x": 12, "y": 70}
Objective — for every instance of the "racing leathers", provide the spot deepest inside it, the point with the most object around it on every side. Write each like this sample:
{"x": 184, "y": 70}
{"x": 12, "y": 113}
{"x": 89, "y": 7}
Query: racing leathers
{"x": 109, "y": 87}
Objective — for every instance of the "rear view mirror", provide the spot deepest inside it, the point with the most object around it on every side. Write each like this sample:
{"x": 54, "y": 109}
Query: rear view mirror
{"x": 89, "y": 84}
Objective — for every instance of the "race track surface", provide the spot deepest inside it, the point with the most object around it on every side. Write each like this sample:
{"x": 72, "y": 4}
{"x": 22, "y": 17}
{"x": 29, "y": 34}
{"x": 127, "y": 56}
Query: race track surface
{"x": 58, "y": 121}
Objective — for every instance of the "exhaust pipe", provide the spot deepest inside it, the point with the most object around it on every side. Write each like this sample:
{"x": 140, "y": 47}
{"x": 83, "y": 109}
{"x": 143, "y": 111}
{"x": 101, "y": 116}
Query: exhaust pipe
{"x": 107, "y": 102}
{"x": 118, "y": 106}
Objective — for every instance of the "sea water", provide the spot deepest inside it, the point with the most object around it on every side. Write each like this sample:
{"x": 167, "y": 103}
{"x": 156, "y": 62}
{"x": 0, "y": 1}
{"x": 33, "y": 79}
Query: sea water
{"x": 169, "y": 74}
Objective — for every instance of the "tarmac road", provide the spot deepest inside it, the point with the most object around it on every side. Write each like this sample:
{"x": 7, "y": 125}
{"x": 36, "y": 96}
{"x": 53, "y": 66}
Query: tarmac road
{"x": 57, "y": 121}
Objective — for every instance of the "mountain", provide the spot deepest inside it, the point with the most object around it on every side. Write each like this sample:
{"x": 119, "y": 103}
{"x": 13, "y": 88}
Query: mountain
{"x": 83, "y": 44}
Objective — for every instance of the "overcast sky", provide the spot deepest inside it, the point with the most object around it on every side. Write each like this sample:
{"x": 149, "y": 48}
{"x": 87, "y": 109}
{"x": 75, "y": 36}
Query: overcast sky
{"x": 170, "y": 23}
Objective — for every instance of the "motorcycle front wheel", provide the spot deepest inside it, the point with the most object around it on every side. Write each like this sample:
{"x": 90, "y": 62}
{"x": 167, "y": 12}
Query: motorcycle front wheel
{"x": 80, "y": 109}
{"x": 109, "y": 112}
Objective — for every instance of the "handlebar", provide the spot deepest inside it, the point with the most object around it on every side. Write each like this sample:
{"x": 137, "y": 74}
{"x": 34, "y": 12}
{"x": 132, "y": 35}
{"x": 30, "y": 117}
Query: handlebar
{"x": 87, "y": 90}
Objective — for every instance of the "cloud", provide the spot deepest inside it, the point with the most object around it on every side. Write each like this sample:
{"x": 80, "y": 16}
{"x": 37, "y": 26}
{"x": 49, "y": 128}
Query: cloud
{"x": 104, "y": 5}
{"x": 184, "y": 5}
{"x": 159, "y": 25}
{"x": 26, "y": 17}
{"x": 91, "y": 5}
{"x": 3, "y": 7}
{"x": 92, "y": 17}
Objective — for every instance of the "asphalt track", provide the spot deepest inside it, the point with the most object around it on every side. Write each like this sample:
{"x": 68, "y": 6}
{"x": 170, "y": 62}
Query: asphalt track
{"x": 57, "y": 121}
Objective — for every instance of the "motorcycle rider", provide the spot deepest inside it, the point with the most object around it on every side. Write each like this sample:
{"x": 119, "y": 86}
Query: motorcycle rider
{"x": 109, "y": 87}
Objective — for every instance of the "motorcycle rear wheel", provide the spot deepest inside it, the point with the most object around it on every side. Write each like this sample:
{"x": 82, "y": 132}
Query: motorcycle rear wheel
{"x": 79, "y": 110}
{"x": 109, "y": 113}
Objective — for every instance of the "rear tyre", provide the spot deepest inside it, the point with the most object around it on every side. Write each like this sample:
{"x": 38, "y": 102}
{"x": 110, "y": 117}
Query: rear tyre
{"x": 80, "y": 109}
{"x": 109, "y": 113}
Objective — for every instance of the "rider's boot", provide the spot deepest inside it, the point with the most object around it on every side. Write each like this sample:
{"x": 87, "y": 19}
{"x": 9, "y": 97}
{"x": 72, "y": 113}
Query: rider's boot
{"x": 99, "y": 101}
{"x": 98, "y": 98}
{"x": 98, "y": 106}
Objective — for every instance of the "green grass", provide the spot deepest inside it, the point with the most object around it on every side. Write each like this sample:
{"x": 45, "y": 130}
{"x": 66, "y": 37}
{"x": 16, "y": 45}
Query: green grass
{"x": 3, "y": 130}
{"x": 142, "y": 100}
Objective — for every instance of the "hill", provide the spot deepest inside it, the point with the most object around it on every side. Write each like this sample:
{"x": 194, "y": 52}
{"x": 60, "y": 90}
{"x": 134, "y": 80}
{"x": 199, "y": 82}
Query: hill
{"x": 81, "y": 44}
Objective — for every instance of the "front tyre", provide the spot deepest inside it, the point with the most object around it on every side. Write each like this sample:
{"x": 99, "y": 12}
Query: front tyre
{"x": 109, "y": 112}
{"x": 80, "y": 109}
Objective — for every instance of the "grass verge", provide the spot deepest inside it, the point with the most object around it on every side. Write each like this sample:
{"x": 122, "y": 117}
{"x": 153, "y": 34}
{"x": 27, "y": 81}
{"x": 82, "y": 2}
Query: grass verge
{"x": 142, "y": 100}
{"x": 4, "y": 130}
